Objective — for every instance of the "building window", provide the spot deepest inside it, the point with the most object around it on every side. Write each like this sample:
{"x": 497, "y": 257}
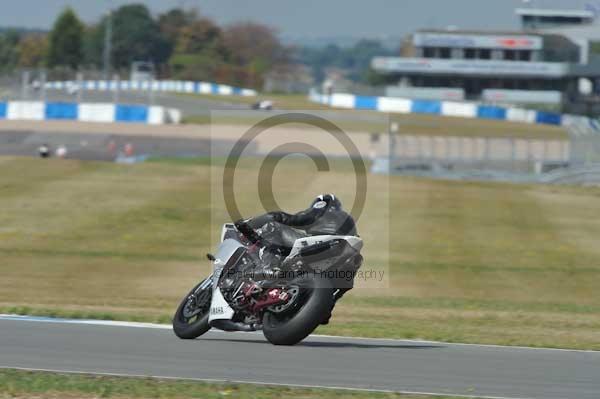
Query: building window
{"x": 429, "y": 52}
{"x": 470, "y": 53}
{"x": 485, "y": 54}
{"x": 509, "y": 55}
{"x": 445, "y": 52}
{"x": 524, "y": 55}
{"x": 522, "y": 85}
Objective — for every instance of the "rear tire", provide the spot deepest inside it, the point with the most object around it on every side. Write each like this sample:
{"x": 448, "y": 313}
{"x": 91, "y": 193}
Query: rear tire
{"x": 314, "y": 304}
{"x": 185, "y": 329}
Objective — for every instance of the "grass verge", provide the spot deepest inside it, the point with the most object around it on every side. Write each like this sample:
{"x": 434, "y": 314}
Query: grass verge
{"x": 27, "y": 384}
{"x": 464, "y": 262}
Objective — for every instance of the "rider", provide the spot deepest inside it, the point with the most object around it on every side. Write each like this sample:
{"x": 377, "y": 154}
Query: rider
{"x": 277, "y": 231}
{"x": 324, "y": 216}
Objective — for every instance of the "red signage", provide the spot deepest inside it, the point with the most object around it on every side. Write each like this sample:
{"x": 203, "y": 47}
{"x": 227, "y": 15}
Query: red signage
{"x": 515, "y": 43}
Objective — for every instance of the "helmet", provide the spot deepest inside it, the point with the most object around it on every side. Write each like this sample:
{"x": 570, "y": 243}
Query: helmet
{"x": 331, "y": 200}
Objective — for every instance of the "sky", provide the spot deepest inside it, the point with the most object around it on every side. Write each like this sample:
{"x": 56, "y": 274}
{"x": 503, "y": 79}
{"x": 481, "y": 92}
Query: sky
{"x": 308, "y": 18}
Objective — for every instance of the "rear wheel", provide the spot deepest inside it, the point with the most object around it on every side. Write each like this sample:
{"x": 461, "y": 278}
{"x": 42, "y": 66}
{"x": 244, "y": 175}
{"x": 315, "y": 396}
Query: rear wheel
{"x": 313, "y": 303}
{"x": 191, "y": 318}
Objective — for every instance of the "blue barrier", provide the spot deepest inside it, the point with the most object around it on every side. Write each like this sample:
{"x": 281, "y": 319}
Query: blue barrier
{"x": 426, "y": 107}
{"x": 548, "y": 118}
{"x": 131, "y": 113}
{"x": 439, "y": 108}
{"x": 88, "y": 112}
{"x": 363, "y": 102}
{"x": 488, "y": 112}
{"x": 62, "y": 111}
{"x": 446, "y": 108}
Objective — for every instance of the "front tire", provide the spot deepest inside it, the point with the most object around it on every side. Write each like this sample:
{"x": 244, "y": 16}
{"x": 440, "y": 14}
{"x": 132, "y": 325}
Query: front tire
{"x": 191, "y": 318}
{"x": 290, "y": 327}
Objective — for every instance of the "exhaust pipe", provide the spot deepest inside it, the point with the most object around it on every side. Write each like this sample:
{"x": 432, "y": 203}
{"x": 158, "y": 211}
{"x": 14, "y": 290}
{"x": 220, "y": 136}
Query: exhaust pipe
{"x": 228, "y": 325}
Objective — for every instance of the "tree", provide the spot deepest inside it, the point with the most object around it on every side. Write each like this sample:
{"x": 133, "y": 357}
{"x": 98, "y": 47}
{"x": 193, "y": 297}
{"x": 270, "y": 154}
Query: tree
{"x": 93, "y": 45}
{"x": 254, "y": 44}
{"x": 8, "y": 50}
{"x": 33, "y": 50}
{"x": 173, "y": 21}
{"x": 194, "y": 66}
{"x": 320, "y": 58}
{"x": 355, "y": 60}
{"x": 374, "y": 78}
{"x": 201, "y": 36}
{"x": 65, "y": 42}
{"x": 256, "y": 48}
{"x": 200, "y": 51}
{"x": 136, "y": 36}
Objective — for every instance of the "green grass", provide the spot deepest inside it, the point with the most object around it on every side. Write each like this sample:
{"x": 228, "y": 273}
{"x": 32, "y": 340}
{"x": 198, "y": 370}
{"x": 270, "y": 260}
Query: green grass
{"x": 26, "y": 384}
{"x": 466, "y": 262}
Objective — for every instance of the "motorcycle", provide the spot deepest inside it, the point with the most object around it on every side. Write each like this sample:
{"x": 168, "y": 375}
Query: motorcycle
{"x": 287, "y": 303}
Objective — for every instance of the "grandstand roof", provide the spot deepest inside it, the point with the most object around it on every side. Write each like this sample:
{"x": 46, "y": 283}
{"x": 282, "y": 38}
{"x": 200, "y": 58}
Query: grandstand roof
{"x": 540, "y": 12}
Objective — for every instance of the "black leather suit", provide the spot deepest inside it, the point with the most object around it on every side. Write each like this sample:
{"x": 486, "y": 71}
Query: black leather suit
{"x": 281, "y": 229}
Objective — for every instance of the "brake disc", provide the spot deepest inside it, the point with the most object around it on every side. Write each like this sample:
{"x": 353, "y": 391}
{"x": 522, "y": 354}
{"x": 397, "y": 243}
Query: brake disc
{"x": 294, "y": 291}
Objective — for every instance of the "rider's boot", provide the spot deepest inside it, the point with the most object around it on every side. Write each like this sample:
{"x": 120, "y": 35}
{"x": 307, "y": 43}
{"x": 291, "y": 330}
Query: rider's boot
{"x": 338, "y": 294}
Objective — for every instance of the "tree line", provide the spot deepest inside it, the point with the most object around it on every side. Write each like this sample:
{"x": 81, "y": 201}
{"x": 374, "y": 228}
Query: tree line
{"x": 355, "y": 59}
{"x": 182, "y": 44}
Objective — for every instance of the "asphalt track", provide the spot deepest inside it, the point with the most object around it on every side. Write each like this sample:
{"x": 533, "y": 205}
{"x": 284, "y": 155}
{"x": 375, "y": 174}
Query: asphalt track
{"x": 96, "y": 146}
{"x": 320, "y": 361}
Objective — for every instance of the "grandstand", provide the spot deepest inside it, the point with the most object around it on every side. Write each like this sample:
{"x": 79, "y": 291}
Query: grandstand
{"x": 549, "y": 61}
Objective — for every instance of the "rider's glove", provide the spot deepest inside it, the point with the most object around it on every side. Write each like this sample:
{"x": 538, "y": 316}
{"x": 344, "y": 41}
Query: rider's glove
{"x": 247, "y": 231}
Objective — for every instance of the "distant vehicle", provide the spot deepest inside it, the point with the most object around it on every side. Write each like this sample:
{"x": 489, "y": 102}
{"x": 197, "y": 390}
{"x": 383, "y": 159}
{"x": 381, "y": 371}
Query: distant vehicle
{"x": 142, "y": 71}
{"x": 61, "y": 152}
{"x": 44, "y": 151}
{"x": 264, "y": 105}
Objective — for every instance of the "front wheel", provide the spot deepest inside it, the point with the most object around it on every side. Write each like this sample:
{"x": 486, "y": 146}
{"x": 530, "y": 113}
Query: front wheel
{"x": 191, "y": 318}
{"x": 314, "y": 302}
